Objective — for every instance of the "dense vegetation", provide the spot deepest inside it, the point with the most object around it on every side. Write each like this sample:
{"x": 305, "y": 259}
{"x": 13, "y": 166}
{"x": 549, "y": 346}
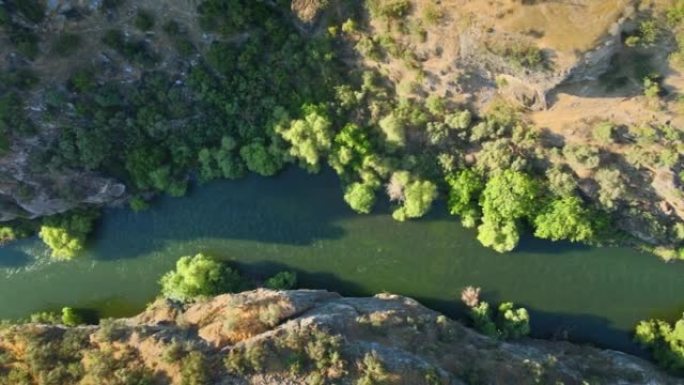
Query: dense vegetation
{"x": 256, "y": 101}
{"x": 203, "y": 276}
{"x": 508, "y": 322}
{"x": 665, "y": 340}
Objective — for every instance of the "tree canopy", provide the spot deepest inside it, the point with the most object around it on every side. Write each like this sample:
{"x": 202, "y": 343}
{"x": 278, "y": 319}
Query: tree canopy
{"x": 199, "y": 276}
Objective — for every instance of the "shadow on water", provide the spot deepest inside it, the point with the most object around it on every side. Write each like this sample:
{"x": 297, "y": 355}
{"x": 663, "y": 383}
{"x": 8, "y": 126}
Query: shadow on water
{"x": 577, "y": 328}
{"x": 291, "y": 209}
{"x": 530, "y": 244}
{"x": 14, "y": 257}
{"x": 261, "y": 271}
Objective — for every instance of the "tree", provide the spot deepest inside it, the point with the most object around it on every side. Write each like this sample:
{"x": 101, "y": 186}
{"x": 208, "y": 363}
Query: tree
{"x": 199, "y": 276}
{"x": 309, "y": 138}
{"x": 508, "y": 197}
{"x": 464, "y": 191}
{"x": 360, "y": 197}
{"x": 564, "y": 218}
{"x": 612, "y": 187}
{"x": 66, "y": 234}
{"x": 665, "y": 342}
{"x": 71, "y": 317}
{"x": 561, "y": 182}
{"x": 513, "y": 323}
{"x": 260, "y": 159}
{"x": 418, "y": 198}
{"x": 285, "y": 280}
{"x": 350, "y": 147}
{"x": 393, "y": 128}
{"x": 603, "y": 132}
{"x": 500, "y": 236}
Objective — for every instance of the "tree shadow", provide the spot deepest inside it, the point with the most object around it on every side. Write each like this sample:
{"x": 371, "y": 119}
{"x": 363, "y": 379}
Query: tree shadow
{"x": 293, "y": 208}
{"x": 530, "y": 244}
{"x": 576, "y": 328}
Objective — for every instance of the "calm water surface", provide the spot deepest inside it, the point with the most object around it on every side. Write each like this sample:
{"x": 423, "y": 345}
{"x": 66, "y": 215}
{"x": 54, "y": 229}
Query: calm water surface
{"x": 297, "y": 221}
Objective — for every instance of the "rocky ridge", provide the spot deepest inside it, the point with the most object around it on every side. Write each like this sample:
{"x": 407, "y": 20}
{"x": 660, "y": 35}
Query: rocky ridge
{"x": 266, "y": 337}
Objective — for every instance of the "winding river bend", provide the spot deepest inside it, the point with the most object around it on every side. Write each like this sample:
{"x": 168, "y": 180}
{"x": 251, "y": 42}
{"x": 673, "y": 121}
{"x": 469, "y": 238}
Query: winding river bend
{"x": 298, "y": 221}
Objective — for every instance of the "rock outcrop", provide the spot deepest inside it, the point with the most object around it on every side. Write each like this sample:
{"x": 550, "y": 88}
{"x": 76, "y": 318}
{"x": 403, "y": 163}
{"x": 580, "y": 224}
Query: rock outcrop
{"x": 295, "y": 337}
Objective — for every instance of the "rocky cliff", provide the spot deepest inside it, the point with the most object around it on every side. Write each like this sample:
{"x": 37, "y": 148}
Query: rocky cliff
{"x": 311, "y": 337}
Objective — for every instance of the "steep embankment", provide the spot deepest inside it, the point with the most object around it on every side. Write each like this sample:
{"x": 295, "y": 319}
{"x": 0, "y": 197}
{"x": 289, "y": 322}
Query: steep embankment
{"x": 297, "y": 337}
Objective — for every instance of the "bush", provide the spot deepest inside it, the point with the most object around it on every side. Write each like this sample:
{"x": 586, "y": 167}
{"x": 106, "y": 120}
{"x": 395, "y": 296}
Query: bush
{"x": 66, "y": 234}
{"x": 71, "y": 317}
{"x": 665, "y": 341}
{"x": 603, "y": 132}
{"x": 508, "y": 323}
{"x": 582, "y": 155}
{"x": 417, "y": 198}
{"x": 360, "y": 197}
{"x": 285, "y": 280}
{"x": 195, "y": 370}
{"x": 564, "y": 218}
{"x": 199, "y": 276}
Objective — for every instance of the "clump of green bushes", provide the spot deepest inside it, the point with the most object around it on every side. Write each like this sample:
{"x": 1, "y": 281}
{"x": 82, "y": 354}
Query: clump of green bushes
{"x": 508, "y": 322}
{"x": 65, "y": 234}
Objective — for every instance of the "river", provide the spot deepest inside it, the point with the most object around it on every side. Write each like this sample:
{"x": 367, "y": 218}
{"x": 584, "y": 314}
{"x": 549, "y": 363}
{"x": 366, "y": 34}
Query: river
{"x": 300, "y": 222}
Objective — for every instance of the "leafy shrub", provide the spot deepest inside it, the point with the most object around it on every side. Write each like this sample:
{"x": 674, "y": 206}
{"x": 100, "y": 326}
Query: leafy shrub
{"x": 285, "y": 280}
{"x": 582, "y": 155}
{"x": 65, "y": 234}
{"x": 564, "y": 218}
{"x": 360, "y": 197}
{"x": 194, "y": 369}
{"x": 71, "y": 317}
{"x": 199, "y": 276}
{"x": 373, "y": 371}
{"x": 665, "y": 341}
{"x": 603, "y": 132}
{"x": 309, "y": 138}
{"x": 416, "y": 196}
{"x": 508, "y": 323}
{"x": 464, "y": 191}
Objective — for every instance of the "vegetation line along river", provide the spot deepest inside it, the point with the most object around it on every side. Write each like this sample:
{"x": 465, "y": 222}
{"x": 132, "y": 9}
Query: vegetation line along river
{"x": 299, "y": 222}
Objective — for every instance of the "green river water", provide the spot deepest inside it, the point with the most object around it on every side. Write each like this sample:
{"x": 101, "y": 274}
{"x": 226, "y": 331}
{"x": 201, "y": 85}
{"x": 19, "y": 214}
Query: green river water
{"x": 300, "y": 222}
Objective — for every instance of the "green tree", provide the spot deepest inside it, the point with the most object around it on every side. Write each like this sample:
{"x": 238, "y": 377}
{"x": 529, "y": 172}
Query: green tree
{"x": 309, "y": 138}
{"x": 564, "y": 218}
{"x": 259, "y": 159}
{"x": 71, "y": 317}
{"x": 285, "y": 280}
{"x": 508, "y": 197}
{"x": 418, "y": 198}
{"x": 360, "y": 197}
{"x": 603, "y": 132}
{"x": 199, "y": 276}
{"x": 500, "y": 236}
{"x": 513, "y": 322}
{"x": 66, "y": 234}
{"x": 464, "y": 191}
{"x": 393, "y": 128}
{"x": 665, "y": 341}
{"x": 612, "y": 187}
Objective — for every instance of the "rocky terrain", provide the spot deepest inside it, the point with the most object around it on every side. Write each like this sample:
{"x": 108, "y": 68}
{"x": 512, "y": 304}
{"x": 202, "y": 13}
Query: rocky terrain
{"x": 307, "y": 337}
